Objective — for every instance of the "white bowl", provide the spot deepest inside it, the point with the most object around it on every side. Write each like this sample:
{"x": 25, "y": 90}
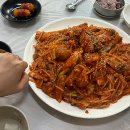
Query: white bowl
{"x": 126, "y": 15}
{"x": 11, "y": 118}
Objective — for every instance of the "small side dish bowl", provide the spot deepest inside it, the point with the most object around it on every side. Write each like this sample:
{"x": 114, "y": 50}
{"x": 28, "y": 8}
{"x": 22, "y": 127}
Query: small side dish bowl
{"x": 109, "y": 12}
{"x": 126, "y": 15}
{"x": 11, "y": 118}
{"x": 4, "y": 47}
{"x": 8, "y": 7}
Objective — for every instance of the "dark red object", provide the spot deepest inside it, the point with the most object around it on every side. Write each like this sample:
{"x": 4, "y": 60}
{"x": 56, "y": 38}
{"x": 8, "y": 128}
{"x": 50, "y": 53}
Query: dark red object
{"x": 21, "y": 13}
{"x": 28, "y": 6}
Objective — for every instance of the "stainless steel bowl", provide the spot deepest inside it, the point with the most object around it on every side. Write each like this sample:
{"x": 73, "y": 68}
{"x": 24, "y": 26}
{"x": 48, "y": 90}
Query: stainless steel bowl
{"x": 108, "y": 13}
{"x": 11, "y": 118}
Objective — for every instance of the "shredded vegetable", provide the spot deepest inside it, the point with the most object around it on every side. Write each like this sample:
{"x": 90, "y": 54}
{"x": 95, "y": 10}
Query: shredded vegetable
{"x": 86, "y": 66}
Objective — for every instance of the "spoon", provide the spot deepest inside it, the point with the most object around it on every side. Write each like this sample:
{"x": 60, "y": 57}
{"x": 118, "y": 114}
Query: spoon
{"x": 72, "y": 6}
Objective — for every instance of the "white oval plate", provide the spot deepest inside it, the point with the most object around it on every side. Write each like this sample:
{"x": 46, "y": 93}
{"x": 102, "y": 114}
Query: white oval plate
{"x": 63, "y": 107}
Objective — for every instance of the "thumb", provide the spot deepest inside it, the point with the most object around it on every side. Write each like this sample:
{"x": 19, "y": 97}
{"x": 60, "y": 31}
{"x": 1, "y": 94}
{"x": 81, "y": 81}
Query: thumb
{"x": 24, "y": 80}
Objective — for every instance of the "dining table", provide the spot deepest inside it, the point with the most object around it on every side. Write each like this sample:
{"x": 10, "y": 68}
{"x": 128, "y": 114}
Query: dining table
{"x": 40, "y": 116}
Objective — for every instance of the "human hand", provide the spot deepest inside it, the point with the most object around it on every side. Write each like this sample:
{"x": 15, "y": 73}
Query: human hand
{"x": 12, "y": 75}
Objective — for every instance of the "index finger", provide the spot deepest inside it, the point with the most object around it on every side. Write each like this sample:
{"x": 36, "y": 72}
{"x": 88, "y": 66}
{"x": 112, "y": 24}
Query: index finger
{"x": 22, "y": 65}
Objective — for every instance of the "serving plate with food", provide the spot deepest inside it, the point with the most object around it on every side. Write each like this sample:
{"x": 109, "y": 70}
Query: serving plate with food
{"x": 80, "y": 67}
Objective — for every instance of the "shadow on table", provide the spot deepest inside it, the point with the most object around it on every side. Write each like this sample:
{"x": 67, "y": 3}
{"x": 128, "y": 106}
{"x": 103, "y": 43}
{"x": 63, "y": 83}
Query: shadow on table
{"x": 125, "y": 27}
{"x": 74, "y": 120}
{"x": 21, "y": 24}
{"x": 15, "y": 99}
{"x": 95, "y": 14}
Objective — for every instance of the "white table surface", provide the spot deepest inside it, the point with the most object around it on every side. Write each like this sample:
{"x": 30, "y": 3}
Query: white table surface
{"x": 40, "y": 115}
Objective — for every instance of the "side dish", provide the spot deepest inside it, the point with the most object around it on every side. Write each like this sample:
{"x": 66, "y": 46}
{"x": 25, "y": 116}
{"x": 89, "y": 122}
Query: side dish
{"x": 86, "y": 66}
{"x": 110, "y": 4}
{"x": 24, "y": 10}
{"x": 28, "y": 6}
{"x": 21, "y": 12}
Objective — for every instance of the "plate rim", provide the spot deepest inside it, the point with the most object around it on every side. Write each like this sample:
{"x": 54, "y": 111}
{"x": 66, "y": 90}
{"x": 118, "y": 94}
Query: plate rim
{"x": 57, "y": 109}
